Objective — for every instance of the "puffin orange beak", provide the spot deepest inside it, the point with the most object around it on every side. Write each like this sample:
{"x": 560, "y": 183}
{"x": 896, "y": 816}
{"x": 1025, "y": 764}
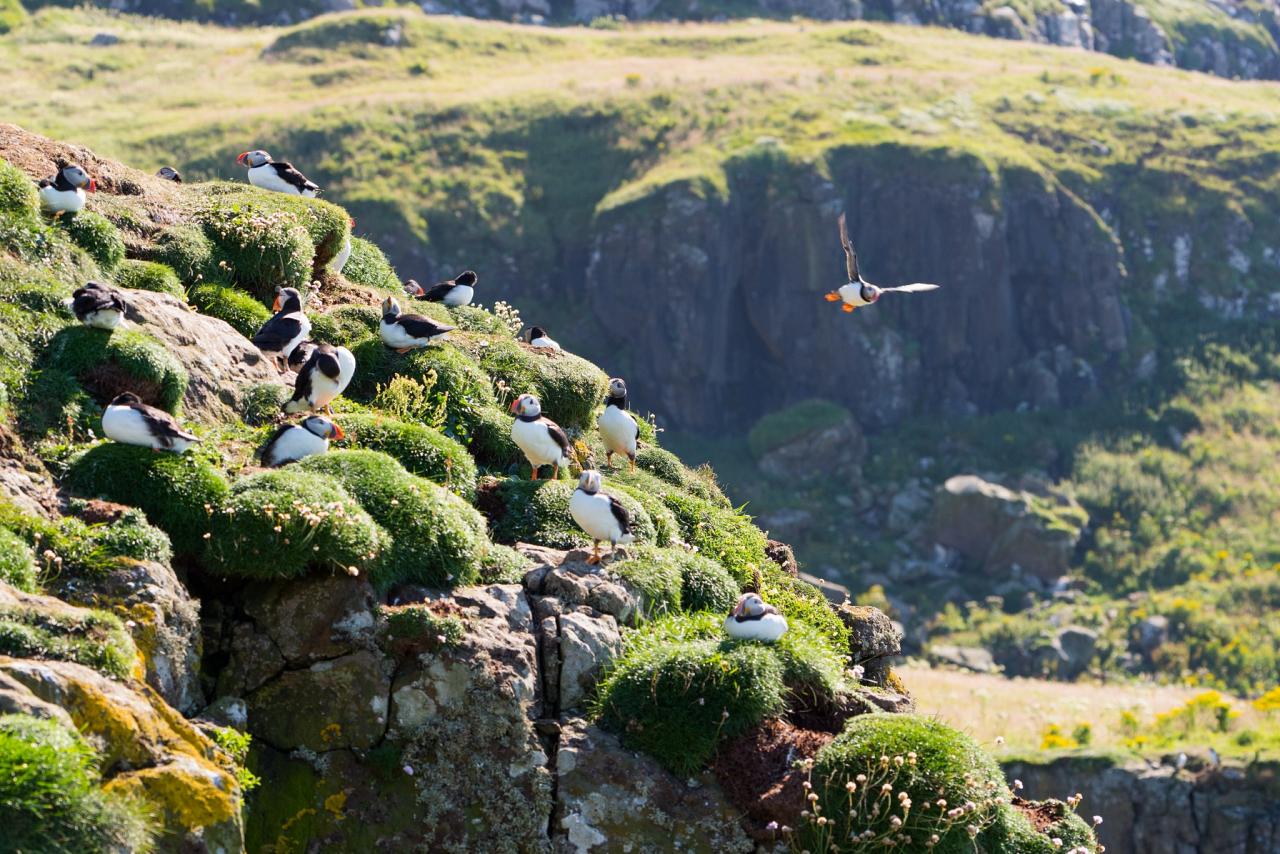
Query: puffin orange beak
{"x": 515, "y": 404}
{"x": 275, "y": 303}
{"x": 352, "y": 220}
{"x": 338, "y": 434}
{"x": 739, "y": 609}
{"x": 242, "y": 158}
{"x": 93, "y": 185}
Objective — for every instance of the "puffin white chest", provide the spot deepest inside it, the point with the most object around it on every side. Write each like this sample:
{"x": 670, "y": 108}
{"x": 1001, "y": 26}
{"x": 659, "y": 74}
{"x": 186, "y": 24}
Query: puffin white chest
{"x": 767, "y": 628}
{"x": 304, "y": 329}
{"x": 535, "y": 440}
{"x": 459, "y": 295}
{"x": 266, "y": 177}
{"x": 324, "y": 389}
{"x": 105, "y": 318}
{"x": 618, "y": 430}
{"x": 544, "y": 343}
{"x": 62, "y": 201}
{"x": 852, "y": 294}
{"x": 126, "y": 425}
{"x": 296, "y": 443}
{"x": 594, "y": 514}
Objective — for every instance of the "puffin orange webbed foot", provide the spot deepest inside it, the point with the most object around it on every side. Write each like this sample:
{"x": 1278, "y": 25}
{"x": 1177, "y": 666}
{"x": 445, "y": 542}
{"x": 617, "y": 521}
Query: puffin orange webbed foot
{"x": 848, "y": 309}
{"x": 832, "y": 297}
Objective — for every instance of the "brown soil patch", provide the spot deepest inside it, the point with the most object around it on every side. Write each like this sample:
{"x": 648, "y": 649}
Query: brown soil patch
{"x": 106, "y": 380}
{"x": 755, "y": 770}
{"x": 97, "y": 512}
{"x": 1042, "y": 814}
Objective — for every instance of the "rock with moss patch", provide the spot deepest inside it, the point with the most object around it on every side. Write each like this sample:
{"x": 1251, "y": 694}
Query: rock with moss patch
{"x": 108, "y": 363}
{"x": 812, "y": 439}
{"x": 874, "y": 640}
{"x": 36, "y": 626}
{"x": 330, "y": 704}
{"x": 149, "y": 276}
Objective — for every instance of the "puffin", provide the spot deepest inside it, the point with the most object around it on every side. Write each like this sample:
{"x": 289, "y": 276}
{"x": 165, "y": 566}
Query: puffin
{"x": 405, "y": 332}
{"x": 601, "y": 515}
{"x": 752, "y": 619}
{"x": 292, "y": 442}
{"x": 453, "y": 293}
{"x": 344, "y": 254}
{"x": 286, "y": 329}
{"x": 278, "y": 176}
{"x": 300, "y": 354}
{"x": 540, "y": 340}
{"x": 97, "y": 305}
{"x": 542, "y": 440}
{"x": 617, "y": 426}
{"x": 859, "y": 292}
{"x": 129, "y": 421}
{"x": 325, "y": 375}
{"x": 170, "y": 174}
{"x": 64, "y": 192}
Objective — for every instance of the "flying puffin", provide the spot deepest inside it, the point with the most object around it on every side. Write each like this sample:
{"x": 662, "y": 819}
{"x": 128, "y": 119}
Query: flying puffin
{"x": 97, "y": 305}
{"x": 129, "y": 421}
{"x": 292, "y": 442}
{"x": 617, "y": 426}
{"x": 286, "y": 328}
{"x": 860, "y": 292}
{"x": 325, "y": 375}
{"x": 278, "y": 176}
{"x": 170, "y": 174}
{"x": 344, "y": 255}
{"x": 539, "y": 339}
{"x": 453, "y": 293}
{"x": 542, "y": 440}
{"x": 300, "y": 354}
{"x": 64, "y": 192}
{"x": 405, "y": 332}
{"x": 600, "y": 514}
{"x": 752, "y": 619}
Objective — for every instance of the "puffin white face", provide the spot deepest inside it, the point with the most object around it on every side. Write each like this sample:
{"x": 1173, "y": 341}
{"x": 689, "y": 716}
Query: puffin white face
{"x": 589, "y": 482}
{"x": 390, "y": 307}
{"x": 323, "y": 427}
{"x": 254, "y": 158}
{"x": 750, "y": 605}
{"x": 527, "y": 406}
{"x": 78, "y": 178}
{"x": 617, "y": 388}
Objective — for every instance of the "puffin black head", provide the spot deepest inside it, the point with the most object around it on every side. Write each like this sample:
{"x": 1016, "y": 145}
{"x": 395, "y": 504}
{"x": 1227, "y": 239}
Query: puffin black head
{"x": 869, "y": 292}
{"x": 617, "y": 393}
{"x": 323, "y": 427}
{"x": 527, "y": 406}
{"x": 254, "y": 158}
{"x": 467, "y": 277}
{"x": 126, "y": 398}
{"x": 412, "y": 288}
{"x": 72, "y": 177}
{"x": 535, "y": 333}
{"x": 170, "y": 174}
{"x": 589, "y": 481}
{"x": 287, "y": 299}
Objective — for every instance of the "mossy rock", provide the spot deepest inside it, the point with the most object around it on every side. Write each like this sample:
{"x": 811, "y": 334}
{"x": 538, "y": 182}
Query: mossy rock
{"x": 720, "y": 533}
{"x": 17, "y": 562}
{"x": 457, "y": 378}
{"x": 81, "y": 549}
{"x": 235, "y": 307}
{"x": 537, "y": 511}
{"x": 438, "y": 539}
{"x": 51, "y": 797}
{"x": 284, "y": 523}
{"x": 927, "y": 760}
{"x": 93, "y": 638}
{"x": 96, "y": 235}
{"x": 491, "y": 443}
{"x": 177, "y": 492}
{"x": 569, "y": 388}
{"x": 779, "y": 428}
{"x": 369, "y": 267}
{"x": 504, "y": 565}
{"x": 18, "y": 198}
{"x": 130, "y": 536}
{"x": 186, "y": 250}
{"x": 420, "y": 449}
{"x": 108, "y": 363}
{"x": 150, "y": 276}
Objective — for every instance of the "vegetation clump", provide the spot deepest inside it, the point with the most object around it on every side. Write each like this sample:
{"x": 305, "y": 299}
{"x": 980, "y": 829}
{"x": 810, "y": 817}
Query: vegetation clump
{"x": 779, "y": 428}
{"x": 569, "y": 388}
{"x": 108, "y": 363}
{"x": 243, "y": 312}
{"x": 96, "y": 235}
{"x": 368, "y": 266}
{"x": 538, "y": 512}
{"x": 413, "y": 622}
{"x": 420, "y": 449}
{"x": 92, "y": 638}
{"x": 17, "y": 562}
{"x": 150, "y": 276}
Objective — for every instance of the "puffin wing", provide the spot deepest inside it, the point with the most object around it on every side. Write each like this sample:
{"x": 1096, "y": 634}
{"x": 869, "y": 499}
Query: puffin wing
{"x": 325, "y": 360}
{"x": 87, "y": 300}
{"x": 277, "y": 332}
{"x": 162, "y": 425}
{"x": 262, "y": 452}
{"x": 913, "y": 288}
{"x": 557, "y": 433}
{"x": 300, "y": 355}
{"x": 292, "y": 176}
{"x": 422, "y": 327}
{"x": 620, "y": 513}
{"x": 438, "y": 292}
{"x": 850, "y": 254}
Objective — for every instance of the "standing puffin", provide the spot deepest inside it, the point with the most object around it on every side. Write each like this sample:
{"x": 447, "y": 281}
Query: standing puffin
{"x": 453, "y": 293}
{"x": 542, "y": 440}
{"x": 600, "y": 514}
{"x": 405, "y": 332}
{"x": 617, "y": 426}
{"x": 170, "y": 174}
{"x": 278, "y": 176}
{"x": 292, "y": 442}
{"x": 325, "y": 375}
{"x": 64, "y": 192}
{"x": 860, "y": 292}
{"x": 752, "y": 619}
{"x": 286, "y": 329}
{"x": 97, "y": 305}
{"x": 540, "y": 340}
{"x": 129, "y": 421}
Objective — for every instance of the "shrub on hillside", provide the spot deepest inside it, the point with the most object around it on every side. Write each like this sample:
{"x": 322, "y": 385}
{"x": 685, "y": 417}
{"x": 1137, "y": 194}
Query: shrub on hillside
{"x": 667, "y": 466}
{"x": 568, "y": 387}
{"x": 243, "y": 312}
{"x": 108, "y": 363}
{"x": 50, "y": 797}
{"x": 96, "y": 235}
{"x": 420, "y": 449}
{"x": 283, "y": 523}
{"x": 150, "y": 276}
{"x": 491, "y": 443}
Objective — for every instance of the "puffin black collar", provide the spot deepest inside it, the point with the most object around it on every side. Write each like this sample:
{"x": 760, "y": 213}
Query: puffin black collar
{"x": 528, "y": 419}
{"x": 620, "y": 402}
{"x": 747, "y": 618}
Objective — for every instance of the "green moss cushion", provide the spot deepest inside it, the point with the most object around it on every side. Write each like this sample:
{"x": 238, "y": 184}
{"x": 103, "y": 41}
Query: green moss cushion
{"x": 722, "y": 534}
{"x": 108, "y": 363}
{"x": 17, "y": 562}
{"x": 150, "y": 276}
{"x": 368, "y": 266}
{"x": 284, "y": 523}
{"x": 491, "y": 443}
{"x": 672, "y": 579}
{"x": 568, "y": 387}
{"x": 445, "y": 370}
{"x": 346, "y": 325}
{"x": 438, "y": 539}
{"x": 420, "y": 449}
{"x": 178, "y": 492}
{"x": 231, "y": 305}
{"x": 187, "y": 250}
{"x": 779, "y": 428}
{"x": 538, "y": 512}
{"x": 799, "y": 600}
{"x": 18, "y": 198}
{"x": 96, "y": 235}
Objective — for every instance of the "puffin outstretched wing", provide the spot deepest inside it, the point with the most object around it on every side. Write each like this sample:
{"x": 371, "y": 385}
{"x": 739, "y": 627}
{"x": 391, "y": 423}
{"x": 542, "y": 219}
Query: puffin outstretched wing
{"x": 438, "y": 291}
{"x": 913, "y": 288}
{"x": 620, "y": 513}
{"x": 289, "y": 174}
{"x": 557, "y": 433}
{"x": 850, "y": 254}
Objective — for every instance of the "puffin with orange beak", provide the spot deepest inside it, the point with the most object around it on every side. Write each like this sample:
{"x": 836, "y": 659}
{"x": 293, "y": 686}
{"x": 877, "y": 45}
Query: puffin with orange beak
{"x": 404, "y": 332}
{"x": 293, "y": 442}
{"x": 278, "y": 176}
{"x": 542, "y": 440}
{"x": 285, "y": 330}
{"x": 752, "y": 619}
{"x": 64, "y": 193}
{"x": 859, "y": 292}
{"x": 601, "y": 515}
